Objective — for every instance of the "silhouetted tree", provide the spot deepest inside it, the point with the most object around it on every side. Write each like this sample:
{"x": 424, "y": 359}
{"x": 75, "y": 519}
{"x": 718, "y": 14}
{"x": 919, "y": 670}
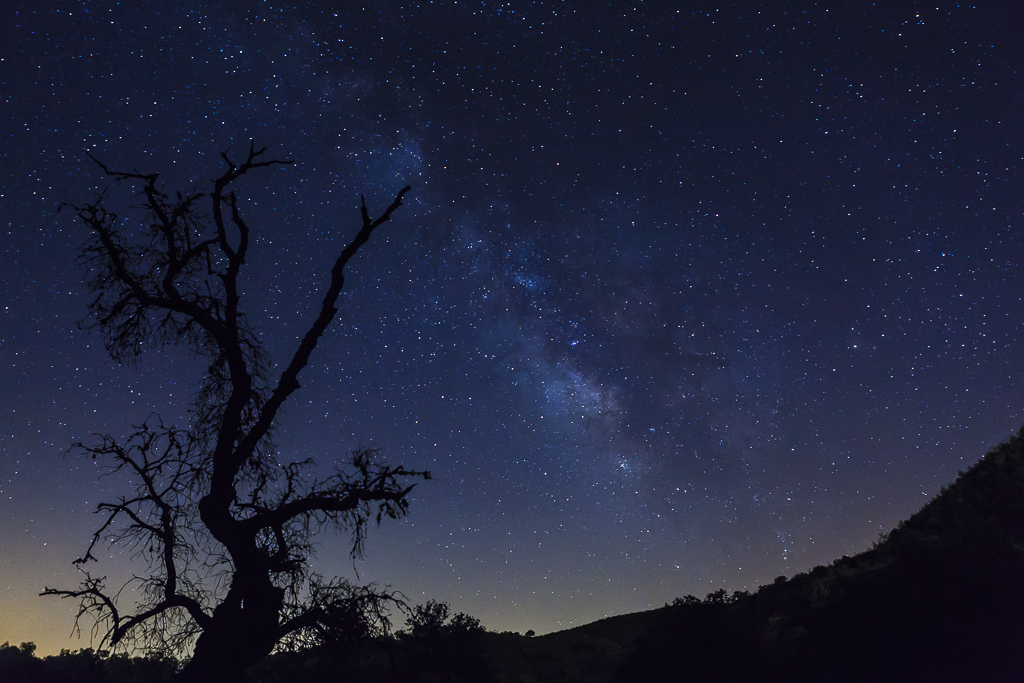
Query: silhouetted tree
{"x": 434, "y": 619}
{"x": 428, "y": 620}
{"x": 19, "y": 664}
{"x": 224, "y": 527}
{"x": 444, "y": 646}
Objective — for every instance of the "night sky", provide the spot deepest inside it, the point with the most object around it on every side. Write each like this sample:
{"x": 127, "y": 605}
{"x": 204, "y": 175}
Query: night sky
{"x": 686, "y": 296}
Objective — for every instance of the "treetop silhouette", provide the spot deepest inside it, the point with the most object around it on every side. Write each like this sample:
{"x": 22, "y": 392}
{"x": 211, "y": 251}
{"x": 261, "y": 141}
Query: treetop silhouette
{"x": 224, "y": 528}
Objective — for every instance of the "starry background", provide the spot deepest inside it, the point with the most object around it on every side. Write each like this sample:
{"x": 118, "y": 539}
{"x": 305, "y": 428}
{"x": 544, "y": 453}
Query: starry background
{"x": 686, "y": 296}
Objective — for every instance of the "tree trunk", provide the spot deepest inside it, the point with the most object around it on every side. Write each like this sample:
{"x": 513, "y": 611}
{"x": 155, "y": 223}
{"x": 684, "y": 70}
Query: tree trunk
{"x": 243, "y": 631}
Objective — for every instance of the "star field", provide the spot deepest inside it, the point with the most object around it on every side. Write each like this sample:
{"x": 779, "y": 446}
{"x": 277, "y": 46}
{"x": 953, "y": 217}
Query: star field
{"x": 683, "y": 298}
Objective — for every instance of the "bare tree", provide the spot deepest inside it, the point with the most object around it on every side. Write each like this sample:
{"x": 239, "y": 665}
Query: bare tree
{"x": 224, "y": 529}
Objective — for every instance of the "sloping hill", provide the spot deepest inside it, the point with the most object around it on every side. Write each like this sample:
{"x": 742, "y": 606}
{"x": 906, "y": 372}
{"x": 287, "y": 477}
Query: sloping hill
{"x": 941, "y": 598}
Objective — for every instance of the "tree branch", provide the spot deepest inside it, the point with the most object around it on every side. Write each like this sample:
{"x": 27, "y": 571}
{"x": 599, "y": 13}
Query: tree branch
{"x": 288, "y": 382}
{"x": 345, "y": 492}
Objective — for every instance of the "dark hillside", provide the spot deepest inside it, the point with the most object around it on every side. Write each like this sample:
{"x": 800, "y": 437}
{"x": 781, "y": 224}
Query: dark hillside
{"x": 941, "y": 598}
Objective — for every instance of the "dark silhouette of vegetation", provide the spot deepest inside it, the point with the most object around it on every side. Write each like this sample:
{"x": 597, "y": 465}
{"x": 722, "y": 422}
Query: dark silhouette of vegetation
{"x": 20, "y": 665}
{"x": 222, "y": 521}
{"x": 436, "y": 646}
{"x": 442, "y": 646}
{"x": 434, "y": 620}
